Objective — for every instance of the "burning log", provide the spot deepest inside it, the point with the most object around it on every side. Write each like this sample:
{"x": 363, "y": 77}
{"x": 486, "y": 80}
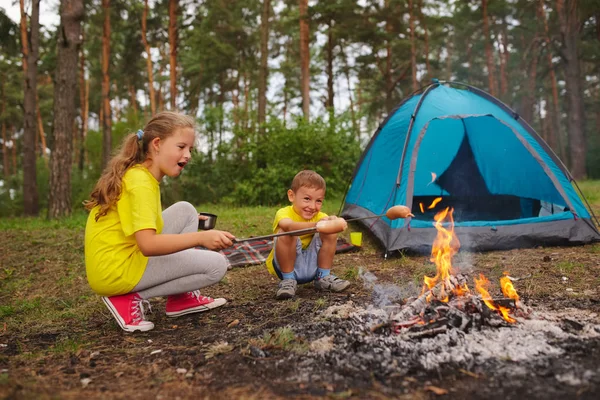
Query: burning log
{"x": 439, "y": 291}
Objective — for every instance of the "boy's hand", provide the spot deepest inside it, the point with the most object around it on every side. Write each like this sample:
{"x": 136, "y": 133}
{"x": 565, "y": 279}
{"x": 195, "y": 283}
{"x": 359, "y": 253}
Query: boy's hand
{"x": 329, "y": 226}
{"x": 215, "y": 239}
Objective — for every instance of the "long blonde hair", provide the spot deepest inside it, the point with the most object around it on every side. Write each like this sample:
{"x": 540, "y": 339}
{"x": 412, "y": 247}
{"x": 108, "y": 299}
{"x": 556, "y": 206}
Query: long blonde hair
{"x": 132, "y": 151}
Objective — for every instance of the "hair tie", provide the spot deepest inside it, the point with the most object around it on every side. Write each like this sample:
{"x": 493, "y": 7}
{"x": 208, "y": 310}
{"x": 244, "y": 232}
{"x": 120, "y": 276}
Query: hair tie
{"x": 140, "y": 134}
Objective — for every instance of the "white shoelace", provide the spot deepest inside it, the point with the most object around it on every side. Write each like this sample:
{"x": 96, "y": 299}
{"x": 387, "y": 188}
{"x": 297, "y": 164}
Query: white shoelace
{"x": 138, "y": 311}
{"x": 196, "y": 294}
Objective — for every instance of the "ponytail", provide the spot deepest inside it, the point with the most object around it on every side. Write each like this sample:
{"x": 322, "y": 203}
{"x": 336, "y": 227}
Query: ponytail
{"x": 108, "y": 188}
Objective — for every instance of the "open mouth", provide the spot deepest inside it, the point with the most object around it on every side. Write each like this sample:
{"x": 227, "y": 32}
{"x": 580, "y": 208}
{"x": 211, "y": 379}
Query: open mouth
{"x": 181, "y": 164}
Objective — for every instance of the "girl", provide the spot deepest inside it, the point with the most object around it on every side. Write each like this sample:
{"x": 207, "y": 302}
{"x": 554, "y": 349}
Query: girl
{"x": 133, "y": 251}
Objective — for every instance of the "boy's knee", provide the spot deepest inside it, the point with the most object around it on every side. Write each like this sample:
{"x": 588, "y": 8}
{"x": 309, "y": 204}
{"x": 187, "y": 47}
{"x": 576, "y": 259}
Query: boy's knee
{"x": 287, "y": 241}
{"x": 328, "y": 238}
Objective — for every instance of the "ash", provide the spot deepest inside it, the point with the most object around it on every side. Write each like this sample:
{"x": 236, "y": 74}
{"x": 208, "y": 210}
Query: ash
{"x": 360, "y": 342}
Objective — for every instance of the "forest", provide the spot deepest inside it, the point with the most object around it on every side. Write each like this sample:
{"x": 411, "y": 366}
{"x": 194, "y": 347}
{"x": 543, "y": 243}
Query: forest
{"x": 274, "y": 85}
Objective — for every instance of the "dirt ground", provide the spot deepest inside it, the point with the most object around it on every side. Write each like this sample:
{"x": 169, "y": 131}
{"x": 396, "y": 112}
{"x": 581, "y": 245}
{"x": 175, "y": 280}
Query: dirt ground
{"x": 253, "y": 346}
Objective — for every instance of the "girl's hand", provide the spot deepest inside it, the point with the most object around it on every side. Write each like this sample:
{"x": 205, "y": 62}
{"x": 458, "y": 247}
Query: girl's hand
{"x": 202, "y": 217}
{"x": 216, "y": 240}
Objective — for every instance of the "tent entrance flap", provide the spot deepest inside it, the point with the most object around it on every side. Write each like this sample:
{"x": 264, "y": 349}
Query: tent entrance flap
{"x": 461, "y": 180}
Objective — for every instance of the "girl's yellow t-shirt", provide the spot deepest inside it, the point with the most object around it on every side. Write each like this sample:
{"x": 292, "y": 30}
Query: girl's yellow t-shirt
{"x": 289, "y": 212}
{"x": 113, "y": 260}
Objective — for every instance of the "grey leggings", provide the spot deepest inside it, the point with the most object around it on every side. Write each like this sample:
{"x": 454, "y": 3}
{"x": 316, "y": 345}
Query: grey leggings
{"x": 186, "y": 270}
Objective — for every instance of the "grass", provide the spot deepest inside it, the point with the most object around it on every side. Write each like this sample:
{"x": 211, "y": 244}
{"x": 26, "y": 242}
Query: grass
{"x": 43, "y": 284}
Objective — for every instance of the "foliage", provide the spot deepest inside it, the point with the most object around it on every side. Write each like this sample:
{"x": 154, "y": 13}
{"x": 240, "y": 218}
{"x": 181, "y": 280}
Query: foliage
{"x": 233, "y": 176}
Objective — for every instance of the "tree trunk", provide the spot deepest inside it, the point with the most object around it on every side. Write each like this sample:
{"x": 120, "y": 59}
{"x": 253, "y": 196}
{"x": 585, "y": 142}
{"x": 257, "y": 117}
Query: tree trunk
{"x": 161, "y": 69}
{"x": 423, "y": 22}
{"x": 65, "y": 89}
{"x": 329, "y": 68}
{"x": 106, "y": 112}
{"x": 554, "y": 131}
{"x": 148, "y": 59}
{"x": 413, "y": 47}
{"x": 450, "y": 48}
{"x": 30, "y": 47}
{"x": 173, "y": 9}
{"x": 504, "y": 57}
{"x": 83, "y": 105}
{"x": 14, "y": 148}
{"x": 387, "y": 72}
{"x": 304, "y": 58}
{"x": 132, "y": 98}
{"x": 40, "y": 124}
{"x": 263, "y": 71}
{"x": 355, "y": 126}
{"x": 5, "y": 155}
{"x": 529, "y": 97}
{"x": 569, "y": 29}
{"x": 488, "y": 50}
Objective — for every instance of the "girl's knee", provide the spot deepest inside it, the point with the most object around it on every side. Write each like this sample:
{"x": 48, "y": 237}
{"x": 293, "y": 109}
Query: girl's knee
{"x": 220, "y": 268}
{"x": 186, "y": 207}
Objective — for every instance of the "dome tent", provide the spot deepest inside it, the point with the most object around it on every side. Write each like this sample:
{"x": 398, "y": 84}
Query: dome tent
{"x": 458, "y": 143}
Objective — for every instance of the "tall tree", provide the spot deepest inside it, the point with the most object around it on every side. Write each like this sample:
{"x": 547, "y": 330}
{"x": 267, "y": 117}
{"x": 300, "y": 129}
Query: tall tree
{"x": 30, "y": 48}
{"x": 554, "y": 136}
{"x": 489, "y": 56}
{"x": 84, "y": 91}
{"x": 569, "y": 29}
{"x": 304, "y": 58}
{"x": 148, "y": 59}
{"x": 413, "y": 48}
{"x": 173, "y": 9}
{"x": 263, "y": 71}
{"x": 105, "y": 100}
{"x": 65, "y": 91}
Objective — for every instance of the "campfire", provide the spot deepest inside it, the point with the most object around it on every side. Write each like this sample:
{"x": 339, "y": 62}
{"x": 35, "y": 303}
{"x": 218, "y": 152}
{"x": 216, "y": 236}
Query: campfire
{"x": 446, "y": 300}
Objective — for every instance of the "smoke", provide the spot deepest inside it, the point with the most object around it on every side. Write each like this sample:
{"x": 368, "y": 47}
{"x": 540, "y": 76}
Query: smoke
{"x": 385, "y": 294}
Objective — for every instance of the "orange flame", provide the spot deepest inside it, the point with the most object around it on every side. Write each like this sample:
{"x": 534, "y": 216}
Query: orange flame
{"x": 444, "y": 247}
{"x": 421, "y": 207}
{"x": 433, "y": 204}
{"x": 482, "y": 284}
{"x": 508, "y": 289}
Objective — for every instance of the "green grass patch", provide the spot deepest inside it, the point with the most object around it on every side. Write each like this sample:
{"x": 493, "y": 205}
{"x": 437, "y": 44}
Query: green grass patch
{"x": 569, "y": 266}
{"x": 350, "y": 273}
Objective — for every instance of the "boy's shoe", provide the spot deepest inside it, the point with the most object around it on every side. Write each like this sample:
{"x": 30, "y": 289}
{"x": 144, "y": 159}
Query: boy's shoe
{"x": 331, "y": 282}
{"x": 128, "y": 310}
{"x": 191, "y": 302}
{"x": 287, "y": 289}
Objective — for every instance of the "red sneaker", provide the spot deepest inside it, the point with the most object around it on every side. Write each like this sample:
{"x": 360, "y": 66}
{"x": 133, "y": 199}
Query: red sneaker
{"x": 128, "y": 310}
{"x": 191, "y": 302}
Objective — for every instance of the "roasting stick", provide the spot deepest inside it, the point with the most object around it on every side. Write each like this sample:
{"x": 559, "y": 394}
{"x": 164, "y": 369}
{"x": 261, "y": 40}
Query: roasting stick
{"x": 334, "y": 225}
{"x": 393, "y": 213}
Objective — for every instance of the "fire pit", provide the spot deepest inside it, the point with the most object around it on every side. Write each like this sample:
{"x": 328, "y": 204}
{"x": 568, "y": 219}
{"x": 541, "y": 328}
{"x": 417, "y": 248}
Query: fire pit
{"x": 446, "y": 300}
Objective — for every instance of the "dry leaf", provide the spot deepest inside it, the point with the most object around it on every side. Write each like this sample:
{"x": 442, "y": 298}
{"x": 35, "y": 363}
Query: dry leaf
{"x": 233, "y": 323}
{"x": 437, "y": 390}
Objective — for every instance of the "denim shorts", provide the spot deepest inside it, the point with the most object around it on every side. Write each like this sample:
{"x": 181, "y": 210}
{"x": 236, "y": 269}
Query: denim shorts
{"x": 305, "y": 267}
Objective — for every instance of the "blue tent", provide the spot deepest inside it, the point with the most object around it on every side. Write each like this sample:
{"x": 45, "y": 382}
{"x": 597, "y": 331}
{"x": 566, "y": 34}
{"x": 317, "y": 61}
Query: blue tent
{"x": 458, "y": 143}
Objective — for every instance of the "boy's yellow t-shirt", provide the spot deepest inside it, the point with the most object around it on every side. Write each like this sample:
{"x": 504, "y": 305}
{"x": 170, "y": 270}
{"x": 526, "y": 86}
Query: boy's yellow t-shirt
{"x": 113, "y": 260}
{"x": 288, "y": 212}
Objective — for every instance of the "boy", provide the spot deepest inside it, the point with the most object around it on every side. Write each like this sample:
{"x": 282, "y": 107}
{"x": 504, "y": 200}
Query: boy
{"x": 306, "y": 258}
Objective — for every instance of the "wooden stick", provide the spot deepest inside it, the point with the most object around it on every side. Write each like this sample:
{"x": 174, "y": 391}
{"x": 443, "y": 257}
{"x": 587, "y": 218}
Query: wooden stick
{"x": 417, "y": 306}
